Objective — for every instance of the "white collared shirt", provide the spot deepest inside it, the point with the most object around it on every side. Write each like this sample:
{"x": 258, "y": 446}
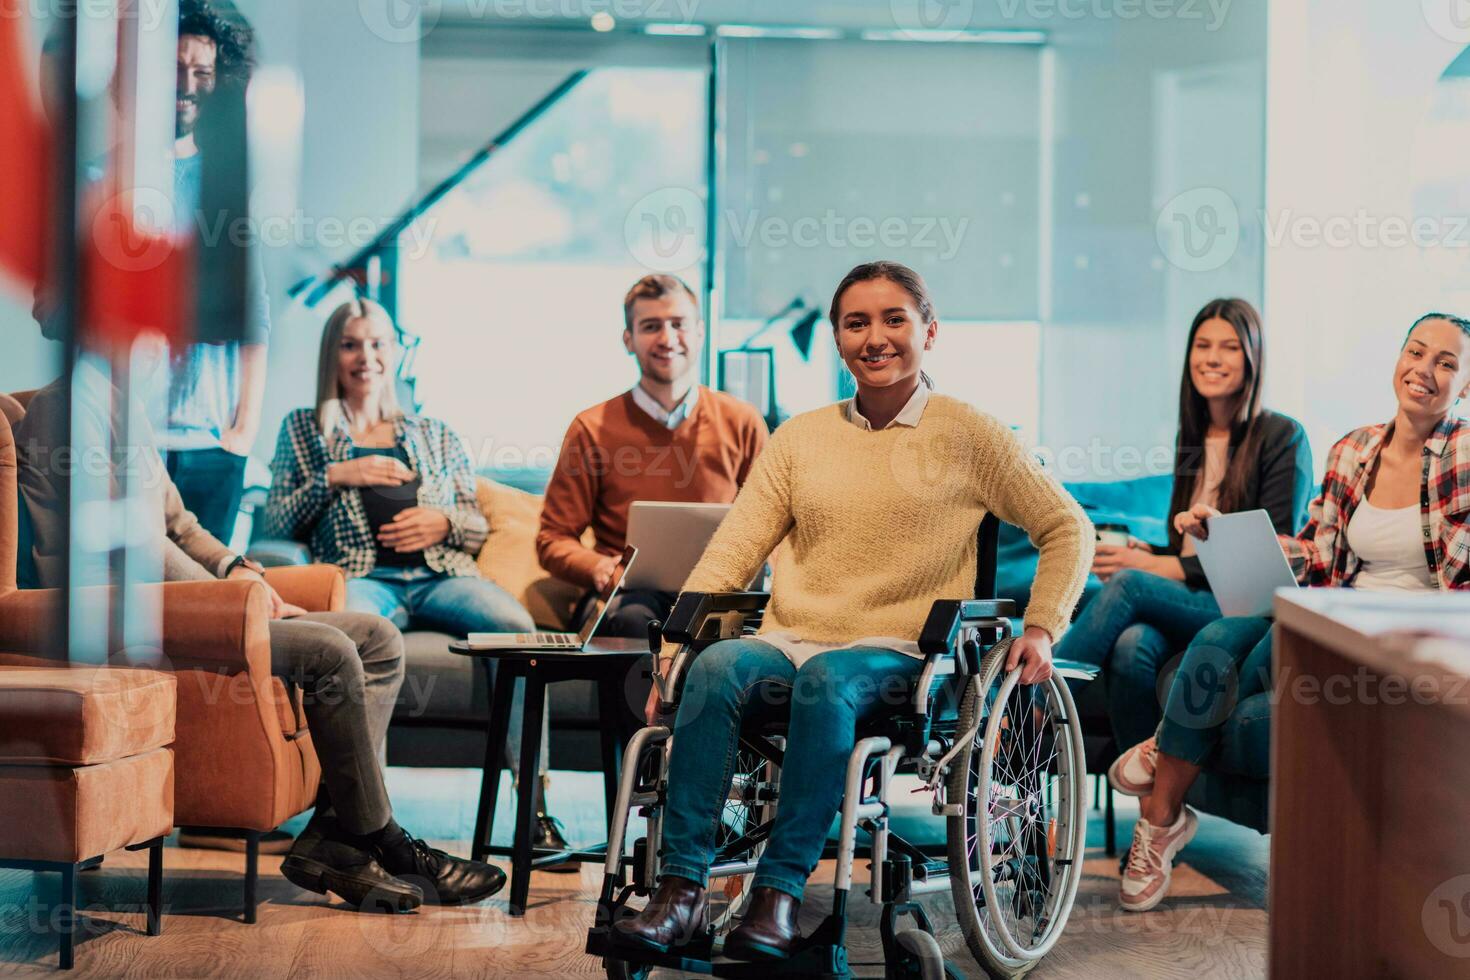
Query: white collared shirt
{"x": 908, "y": 416}
{"x": 665, "y": 418}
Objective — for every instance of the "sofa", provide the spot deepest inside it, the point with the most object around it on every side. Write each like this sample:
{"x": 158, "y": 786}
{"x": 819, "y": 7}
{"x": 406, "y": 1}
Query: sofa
{"x": 444, "y": 706}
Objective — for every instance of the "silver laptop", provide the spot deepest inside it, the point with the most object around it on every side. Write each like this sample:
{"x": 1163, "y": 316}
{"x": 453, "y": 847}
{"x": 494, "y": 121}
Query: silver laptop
{"x": 670, "y": 537}
{"x": 559, "y": 641}
{"x": 1244, "y": 562}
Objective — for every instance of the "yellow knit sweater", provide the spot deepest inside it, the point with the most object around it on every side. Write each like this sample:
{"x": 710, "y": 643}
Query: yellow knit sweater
{"x": 880, "y": 524}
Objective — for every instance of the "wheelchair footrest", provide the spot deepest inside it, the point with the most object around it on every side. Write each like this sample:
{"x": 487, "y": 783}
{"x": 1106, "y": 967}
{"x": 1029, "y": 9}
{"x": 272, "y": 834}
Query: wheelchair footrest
{"x": 820, "y": 962}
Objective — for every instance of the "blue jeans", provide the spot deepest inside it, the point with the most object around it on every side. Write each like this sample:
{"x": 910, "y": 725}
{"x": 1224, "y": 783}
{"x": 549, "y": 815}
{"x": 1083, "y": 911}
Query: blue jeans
{"x": 744, "y": 679}
{"x": 1227, "y": 662}
{"x": 1131, "y": 629}
{"x": 421, "y": 598}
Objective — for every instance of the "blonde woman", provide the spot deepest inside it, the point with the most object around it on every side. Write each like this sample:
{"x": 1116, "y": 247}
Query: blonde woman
{"x": 389, "y": 497}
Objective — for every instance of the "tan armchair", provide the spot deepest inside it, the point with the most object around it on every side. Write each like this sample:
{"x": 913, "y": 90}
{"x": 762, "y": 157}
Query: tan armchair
{"x": 243, "y": 758}
{"x": 85, "y": 759}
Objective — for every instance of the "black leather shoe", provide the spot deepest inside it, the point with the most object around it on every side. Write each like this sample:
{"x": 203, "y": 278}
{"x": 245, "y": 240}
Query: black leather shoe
{"x": 676, "y": 913}
{"x": 445, "y": 879}
{"x": 769, "y": 930}
{"x": 321, "y": 864}
{"x": 549, "y": 836}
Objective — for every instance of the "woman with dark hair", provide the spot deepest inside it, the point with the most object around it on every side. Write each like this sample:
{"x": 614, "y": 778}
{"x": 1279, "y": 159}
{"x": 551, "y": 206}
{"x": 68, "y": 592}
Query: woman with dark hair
{"x": 1230, "y": 454}
{"x": 877, "y": 500}
{"x": 1393, "y": 515}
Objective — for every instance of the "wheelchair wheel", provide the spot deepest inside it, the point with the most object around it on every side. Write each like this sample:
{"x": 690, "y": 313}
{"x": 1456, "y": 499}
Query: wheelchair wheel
{"x": 623, "y": 970}
{"x": 1016, "y": 846}
{"x": 747, "y": 807}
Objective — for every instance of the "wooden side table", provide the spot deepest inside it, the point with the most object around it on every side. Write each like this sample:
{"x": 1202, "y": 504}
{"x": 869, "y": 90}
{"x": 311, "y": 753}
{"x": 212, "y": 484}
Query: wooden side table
{"x": 605, "y": 662}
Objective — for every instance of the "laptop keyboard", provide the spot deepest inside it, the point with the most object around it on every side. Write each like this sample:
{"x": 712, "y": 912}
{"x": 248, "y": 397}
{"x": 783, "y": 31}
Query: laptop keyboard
{"x": 548, "y": 639}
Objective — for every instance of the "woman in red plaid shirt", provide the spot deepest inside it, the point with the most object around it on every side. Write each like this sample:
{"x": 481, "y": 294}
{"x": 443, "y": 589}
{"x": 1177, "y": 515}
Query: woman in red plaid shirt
{"x": 1393, "y": 515}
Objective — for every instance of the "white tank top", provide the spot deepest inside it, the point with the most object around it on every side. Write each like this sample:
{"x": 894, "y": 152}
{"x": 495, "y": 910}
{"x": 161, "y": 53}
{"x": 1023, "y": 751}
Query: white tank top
{"x": 1390, "y": 544}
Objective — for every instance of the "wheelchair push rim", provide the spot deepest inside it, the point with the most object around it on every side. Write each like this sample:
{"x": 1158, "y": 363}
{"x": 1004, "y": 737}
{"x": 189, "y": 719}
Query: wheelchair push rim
{"x": 1017, "y": 843}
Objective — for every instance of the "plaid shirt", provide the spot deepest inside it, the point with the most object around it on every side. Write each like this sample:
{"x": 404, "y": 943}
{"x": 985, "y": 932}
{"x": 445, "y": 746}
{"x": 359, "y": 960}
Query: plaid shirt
{"x": 331, "y": 520}
{"x": 1320, "y": 554}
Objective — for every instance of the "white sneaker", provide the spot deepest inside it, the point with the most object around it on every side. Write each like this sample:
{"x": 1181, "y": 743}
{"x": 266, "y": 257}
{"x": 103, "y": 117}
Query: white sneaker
{"x": 1132, "y": 773}
{"x": 1150, "y": 861}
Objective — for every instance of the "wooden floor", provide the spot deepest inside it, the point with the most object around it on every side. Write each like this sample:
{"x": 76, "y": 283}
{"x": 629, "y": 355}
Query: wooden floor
{"x": 1212, "y": 925}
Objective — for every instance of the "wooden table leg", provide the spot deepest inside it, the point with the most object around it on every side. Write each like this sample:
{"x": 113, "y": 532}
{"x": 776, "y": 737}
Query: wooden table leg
{"x": 501, "y": 692}
{"x": 529, "y": 782}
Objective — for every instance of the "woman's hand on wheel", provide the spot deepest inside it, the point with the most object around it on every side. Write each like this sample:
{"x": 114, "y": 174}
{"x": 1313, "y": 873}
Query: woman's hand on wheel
{"x": 1195, "y": 521}
{"x": 1032, "y": 652}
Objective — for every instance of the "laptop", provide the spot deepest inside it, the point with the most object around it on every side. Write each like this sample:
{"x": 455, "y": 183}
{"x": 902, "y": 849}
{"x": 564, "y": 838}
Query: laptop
{"x": 670, "y": 538}
{"x": 559, "y": 641}
{"x": 1244, "y": 562}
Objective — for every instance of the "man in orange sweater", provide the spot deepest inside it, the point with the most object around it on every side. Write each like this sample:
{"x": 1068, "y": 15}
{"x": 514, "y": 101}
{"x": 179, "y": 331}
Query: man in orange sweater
{"x": 669, "y": 438}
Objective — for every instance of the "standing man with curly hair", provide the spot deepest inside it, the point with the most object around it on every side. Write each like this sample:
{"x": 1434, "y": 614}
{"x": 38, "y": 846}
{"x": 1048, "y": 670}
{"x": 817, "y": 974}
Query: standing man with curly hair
{"x": 215, "y": 389}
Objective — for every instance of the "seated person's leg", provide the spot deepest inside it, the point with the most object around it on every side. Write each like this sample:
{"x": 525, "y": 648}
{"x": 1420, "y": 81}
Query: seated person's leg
{"x": 1204, "y": 692}
{"x": 1129, "y": 597}
{"x": 461, "y": 604}
{"x": 833, "y": 692}
{"x": 378, "y": 597}
{"x": 724, "y": 682}
{"x": 629, "y": 613}
{"x": 1133, "y": 683}
{"x": 354, "y": 847}
{"x": 1206, "y": 687}
{"x": 380, "y": 647}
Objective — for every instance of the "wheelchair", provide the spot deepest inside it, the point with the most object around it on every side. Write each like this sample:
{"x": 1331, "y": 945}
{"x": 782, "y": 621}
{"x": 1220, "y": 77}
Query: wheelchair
{"x": 1004, "y": 764}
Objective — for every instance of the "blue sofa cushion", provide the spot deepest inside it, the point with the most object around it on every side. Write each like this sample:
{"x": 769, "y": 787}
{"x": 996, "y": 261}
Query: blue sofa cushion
{"x": 1142, "y": 504}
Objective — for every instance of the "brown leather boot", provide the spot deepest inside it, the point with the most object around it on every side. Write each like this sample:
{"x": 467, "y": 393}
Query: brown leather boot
{"x": 769, "y": 930}
{"x": 676, "y": 913}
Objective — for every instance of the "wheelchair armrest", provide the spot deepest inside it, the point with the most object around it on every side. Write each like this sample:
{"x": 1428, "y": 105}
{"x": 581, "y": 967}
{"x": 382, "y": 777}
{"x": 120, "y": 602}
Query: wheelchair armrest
{"x": 692, "y": 610}
{"x": 948, "y": 616}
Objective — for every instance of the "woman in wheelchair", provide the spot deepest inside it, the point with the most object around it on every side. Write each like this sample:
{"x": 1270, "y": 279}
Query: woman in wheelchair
{"x": 1230, "y": 453}
{"x": 1393, "y": 515}
{"x": 875, "y": 501}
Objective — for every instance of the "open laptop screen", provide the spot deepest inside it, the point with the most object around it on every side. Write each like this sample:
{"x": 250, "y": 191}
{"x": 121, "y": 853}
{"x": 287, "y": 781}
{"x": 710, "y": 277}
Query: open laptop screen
{"x": 614, "y": 583}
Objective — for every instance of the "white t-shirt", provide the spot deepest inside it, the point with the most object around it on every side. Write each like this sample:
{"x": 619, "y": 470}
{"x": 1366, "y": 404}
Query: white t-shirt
{"x": 1390, "y": 544}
